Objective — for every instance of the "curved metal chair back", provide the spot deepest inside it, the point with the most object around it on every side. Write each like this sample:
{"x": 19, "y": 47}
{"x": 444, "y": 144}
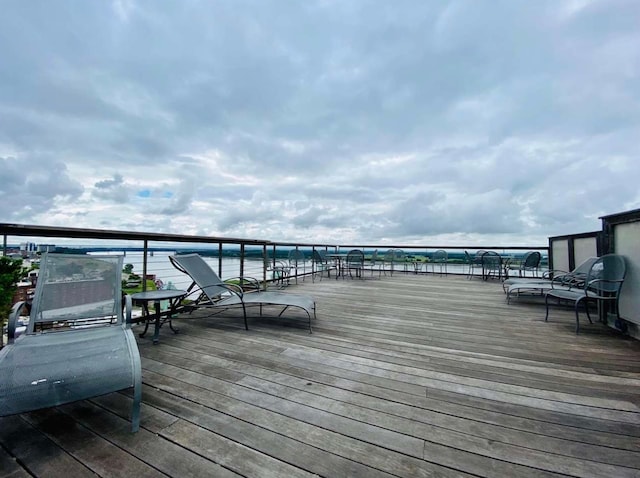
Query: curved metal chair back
{"x": 440, "y": 258}
{"x": 297, "y": 260}
{"x": 491, "y": 265}
{"x": 530, "y": 262}
{"x": 606, "y": 275}
{"x": 355, "y": 261}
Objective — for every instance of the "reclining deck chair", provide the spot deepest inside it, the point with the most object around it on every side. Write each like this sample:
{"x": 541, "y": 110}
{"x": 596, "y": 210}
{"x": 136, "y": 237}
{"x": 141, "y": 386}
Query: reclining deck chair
{"x": 213, "y": 292}
{"x": 602, "y": 283}
{"x": 549, "y": 279}
{"x": 77, "y": 344}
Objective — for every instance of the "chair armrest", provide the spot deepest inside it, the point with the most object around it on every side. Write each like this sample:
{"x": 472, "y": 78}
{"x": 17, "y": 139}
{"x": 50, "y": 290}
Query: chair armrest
{"x": 128, "y": 305}
{"x": 13, "y": 319}
{"x": 610, "y": 281}
{"x": 233, "y": 288}
{"x": 554, "y": 274}
{"x": 252, "y": 281}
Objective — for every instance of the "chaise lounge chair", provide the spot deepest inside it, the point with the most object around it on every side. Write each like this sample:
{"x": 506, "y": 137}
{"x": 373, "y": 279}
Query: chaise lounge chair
{"x": 77, "y": 344}
{"x": 538, "y": 286}
{"x": 213, "y": 292}
{"x": 602, "y": 283}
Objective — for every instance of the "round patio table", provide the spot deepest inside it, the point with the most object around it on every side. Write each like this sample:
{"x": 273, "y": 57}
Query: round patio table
{"x": 156, "y": 296}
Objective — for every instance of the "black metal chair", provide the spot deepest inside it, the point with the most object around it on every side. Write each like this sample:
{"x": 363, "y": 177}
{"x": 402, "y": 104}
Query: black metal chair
{"x": 491, "y": 265}
{"x": 354, "y": 262}
{"x": 440, "y": 259}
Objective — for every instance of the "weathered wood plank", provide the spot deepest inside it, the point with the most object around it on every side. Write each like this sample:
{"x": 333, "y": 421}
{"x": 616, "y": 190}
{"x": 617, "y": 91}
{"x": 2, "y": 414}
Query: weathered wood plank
{"x": 38, "y": 454}
{"x": 403, "y": 376}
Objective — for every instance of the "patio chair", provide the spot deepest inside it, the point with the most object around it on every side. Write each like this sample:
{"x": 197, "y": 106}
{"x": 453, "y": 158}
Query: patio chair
{"x": 473, "y": 262}
{"x": 354, "y": 262}
{"x": 211, "y": 292}
{"x": 440, "y": 259}
{"x": 388, "y": 261}
{"x": 491, "y": 265}
{"x": 549, "y": 279}
{"x": 375, "y": 262}
{"x": 279, "y": 272}
{"x": 321, "y": 263}
{"x": 77, "y": 345}
{"x": 530, "y": 263}
{"x": 297, "y": 260}
{"x": 602, "y": 284}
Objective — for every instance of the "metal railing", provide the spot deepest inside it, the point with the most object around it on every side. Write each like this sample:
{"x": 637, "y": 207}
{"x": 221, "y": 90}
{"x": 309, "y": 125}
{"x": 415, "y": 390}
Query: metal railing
{"x": 229, "y": 256}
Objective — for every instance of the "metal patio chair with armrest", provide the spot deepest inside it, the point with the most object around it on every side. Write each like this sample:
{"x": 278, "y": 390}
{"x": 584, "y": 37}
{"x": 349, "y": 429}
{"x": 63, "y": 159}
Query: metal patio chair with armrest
{"x": 297, "y": 260}
{"x": 474, "y": 262}
{"x": 491, "y": 265}
{"x": 602, "y": 284}
{"x": 440, "y": 259}
{"x": 78, "y": 343}
{"x": 321, "y": 263}
{"x": 212, "y": 292}
{"x": 278, "y": 270}
{"x": 375, "y": 262}
{"x": 530, "y": 263}
{"x": 354, "y": 262}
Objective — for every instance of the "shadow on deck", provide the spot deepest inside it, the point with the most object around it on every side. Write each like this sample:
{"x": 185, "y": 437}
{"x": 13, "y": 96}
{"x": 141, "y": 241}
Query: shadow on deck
{"x": 403, "y": 376}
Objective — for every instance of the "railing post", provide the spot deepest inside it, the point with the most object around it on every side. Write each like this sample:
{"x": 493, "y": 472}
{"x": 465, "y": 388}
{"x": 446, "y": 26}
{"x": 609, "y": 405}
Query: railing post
{"x": 4, "y": 245}
{"x": 265, "y": 258}
{"x": 144, "y": 265}
{"x": 241, "y": 263}
{"x": 220, "y": 260}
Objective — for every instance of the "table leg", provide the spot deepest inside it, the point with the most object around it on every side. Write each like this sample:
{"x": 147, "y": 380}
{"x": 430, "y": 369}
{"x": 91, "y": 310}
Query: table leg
{"x": 172, "y": 308}
{"x": 156, "y": 333}
{"x": 146, "y": 320}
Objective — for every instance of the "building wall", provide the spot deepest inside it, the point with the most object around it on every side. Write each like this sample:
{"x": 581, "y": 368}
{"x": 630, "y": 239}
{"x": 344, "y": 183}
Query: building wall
{"x": 560, "y": 254}
{"x": 627, "y": 243}
{"x": 585, "y": 248}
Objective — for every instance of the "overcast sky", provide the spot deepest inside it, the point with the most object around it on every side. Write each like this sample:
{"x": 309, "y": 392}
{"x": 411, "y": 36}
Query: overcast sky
{"x": 407, "y": 122}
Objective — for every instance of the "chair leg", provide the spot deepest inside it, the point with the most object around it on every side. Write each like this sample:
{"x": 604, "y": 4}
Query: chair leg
{"x": 244, "y": 314}
{"x": 546, "y": 303}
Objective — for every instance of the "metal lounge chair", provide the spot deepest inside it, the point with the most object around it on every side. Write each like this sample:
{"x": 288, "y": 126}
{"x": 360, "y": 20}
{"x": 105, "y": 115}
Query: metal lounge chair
{"x": 602, "y": 283}
{"x": 77, "y": 345}
{"x": 212, "y": 292}
{"x": 537, "y": 286}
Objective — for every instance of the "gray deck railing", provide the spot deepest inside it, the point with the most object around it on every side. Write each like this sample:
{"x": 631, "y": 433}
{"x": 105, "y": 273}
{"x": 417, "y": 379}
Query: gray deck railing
{"x": 253, "y": 255}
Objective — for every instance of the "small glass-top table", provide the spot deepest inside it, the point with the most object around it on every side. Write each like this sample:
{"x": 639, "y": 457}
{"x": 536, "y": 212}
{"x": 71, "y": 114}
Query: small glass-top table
{"x": 156, "y": 296}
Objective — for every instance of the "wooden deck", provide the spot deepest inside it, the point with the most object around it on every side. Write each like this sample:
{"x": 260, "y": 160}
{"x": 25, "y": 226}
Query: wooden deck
{"x": 403, "y": 376}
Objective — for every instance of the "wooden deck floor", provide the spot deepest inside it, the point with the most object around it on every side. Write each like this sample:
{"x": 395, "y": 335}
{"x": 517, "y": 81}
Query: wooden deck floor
{"x": 403, "y": 376}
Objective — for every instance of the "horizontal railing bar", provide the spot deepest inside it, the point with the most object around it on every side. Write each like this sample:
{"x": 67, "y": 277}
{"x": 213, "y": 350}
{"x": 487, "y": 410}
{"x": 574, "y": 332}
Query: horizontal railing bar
{"x": 68, "y": 232}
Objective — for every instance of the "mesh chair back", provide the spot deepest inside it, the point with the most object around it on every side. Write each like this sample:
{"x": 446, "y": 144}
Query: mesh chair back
{"x": 440, "y": 256}
{"x": 296, "y": 256}
{"x": 201, "y": 273}
{"x": 610, "y": 267}
{"x": 77, "y": 290}
{"x": 355, "y": 257}
{"x": 491, "y": 261}
{"x": 531, "y": 260}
